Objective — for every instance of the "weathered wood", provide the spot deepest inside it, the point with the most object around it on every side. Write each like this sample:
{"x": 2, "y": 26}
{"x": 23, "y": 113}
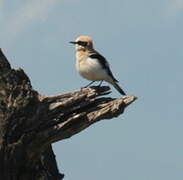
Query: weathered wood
{"x": 31, "y": 122}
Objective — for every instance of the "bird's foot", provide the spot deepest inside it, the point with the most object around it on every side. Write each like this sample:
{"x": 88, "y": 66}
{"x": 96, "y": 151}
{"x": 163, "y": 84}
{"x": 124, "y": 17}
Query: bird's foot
{"x": 88, "y": 85}
{"x": 100, "y": 83}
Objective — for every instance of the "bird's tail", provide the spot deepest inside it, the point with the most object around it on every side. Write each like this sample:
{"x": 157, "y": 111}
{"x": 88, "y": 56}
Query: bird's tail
{"x": 118, "y": 88}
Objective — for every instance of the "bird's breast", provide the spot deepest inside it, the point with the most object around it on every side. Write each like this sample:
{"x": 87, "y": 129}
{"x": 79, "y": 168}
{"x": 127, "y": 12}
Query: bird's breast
{"x": 90, "y": 69}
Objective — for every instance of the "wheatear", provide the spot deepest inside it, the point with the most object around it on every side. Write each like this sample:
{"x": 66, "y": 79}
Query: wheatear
{"x": 91, "y": 65}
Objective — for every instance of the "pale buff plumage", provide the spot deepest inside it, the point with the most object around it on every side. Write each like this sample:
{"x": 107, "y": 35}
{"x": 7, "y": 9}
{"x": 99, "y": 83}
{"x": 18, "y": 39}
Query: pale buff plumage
{"x": 88, "y": 68}
{"x": 91, "y": 68}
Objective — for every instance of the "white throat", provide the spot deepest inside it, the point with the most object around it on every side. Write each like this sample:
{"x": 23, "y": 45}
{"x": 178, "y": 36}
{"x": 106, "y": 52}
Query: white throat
{"x": 79, "y": 47}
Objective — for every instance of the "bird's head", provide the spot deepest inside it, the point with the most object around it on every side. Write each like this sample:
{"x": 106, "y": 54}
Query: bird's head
{"x": 83, "y": 43}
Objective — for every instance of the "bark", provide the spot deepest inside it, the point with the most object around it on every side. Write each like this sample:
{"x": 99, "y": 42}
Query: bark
{"x": 31, "y": 122}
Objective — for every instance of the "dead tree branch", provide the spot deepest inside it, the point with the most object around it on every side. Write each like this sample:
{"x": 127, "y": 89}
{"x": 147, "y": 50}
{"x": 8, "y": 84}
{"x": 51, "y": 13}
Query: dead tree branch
{"x": 31, "y": 122}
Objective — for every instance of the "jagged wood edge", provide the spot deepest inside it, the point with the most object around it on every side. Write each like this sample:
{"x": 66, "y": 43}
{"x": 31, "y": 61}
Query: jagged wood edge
{"x": 68, "y": 114}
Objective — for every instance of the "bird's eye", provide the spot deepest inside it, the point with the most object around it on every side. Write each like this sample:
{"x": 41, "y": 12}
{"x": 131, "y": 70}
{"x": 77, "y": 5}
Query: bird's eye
{"x": 82, "y": 43}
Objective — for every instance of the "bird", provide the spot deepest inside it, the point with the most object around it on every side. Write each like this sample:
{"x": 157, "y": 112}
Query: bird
{"x": 91, "y": 65}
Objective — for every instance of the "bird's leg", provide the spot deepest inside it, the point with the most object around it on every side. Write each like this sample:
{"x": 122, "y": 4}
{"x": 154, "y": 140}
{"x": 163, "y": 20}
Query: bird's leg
{"x": 89, "y": 84}
{"x": 100, "y": 83}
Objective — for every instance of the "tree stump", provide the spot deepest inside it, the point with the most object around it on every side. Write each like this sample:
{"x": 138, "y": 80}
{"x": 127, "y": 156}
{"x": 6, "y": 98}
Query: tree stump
{"x": 31, "y": 122}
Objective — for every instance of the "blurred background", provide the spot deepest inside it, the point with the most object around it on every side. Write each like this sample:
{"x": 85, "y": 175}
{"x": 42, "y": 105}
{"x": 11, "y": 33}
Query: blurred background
{"x": 143, "y": 42}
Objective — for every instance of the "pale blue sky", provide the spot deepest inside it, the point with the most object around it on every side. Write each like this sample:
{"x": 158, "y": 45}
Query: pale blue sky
{"x": 143, "y": 42}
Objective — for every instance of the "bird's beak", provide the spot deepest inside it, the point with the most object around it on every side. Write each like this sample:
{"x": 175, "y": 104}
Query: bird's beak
{"x": 73, "y": 42}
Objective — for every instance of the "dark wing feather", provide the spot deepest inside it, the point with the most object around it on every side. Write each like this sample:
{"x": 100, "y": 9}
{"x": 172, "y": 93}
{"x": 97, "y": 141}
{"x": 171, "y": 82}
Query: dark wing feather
{"x": 104, "y": 63}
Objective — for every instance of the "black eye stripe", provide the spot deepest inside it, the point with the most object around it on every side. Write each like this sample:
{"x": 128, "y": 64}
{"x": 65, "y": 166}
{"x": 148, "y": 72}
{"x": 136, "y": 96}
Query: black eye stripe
{"x": 82, "y": 43}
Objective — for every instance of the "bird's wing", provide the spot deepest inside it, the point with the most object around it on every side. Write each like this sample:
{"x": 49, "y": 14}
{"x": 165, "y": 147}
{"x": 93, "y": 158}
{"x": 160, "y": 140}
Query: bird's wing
{"x": 103, "y": 62}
